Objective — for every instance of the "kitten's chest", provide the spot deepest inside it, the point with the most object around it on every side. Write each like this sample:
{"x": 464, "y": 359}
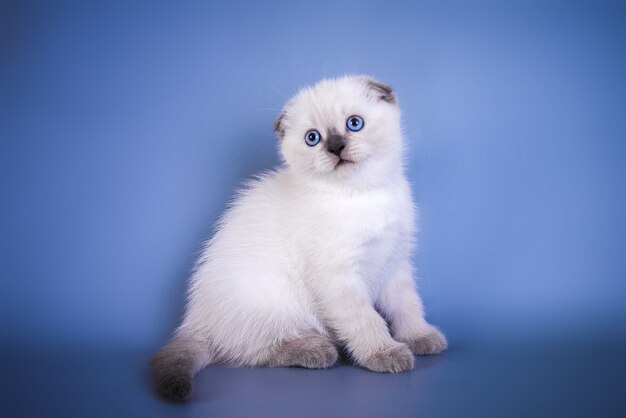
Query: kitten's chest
{"x": 363, "y": 218}
{"x": 361, "y": 228}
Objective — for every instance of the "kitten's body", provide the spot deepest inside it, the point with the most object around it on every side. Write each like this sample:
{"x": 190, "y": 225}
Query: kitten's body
{"x": 309, "y": 255}
{"x": 277, "y": 244}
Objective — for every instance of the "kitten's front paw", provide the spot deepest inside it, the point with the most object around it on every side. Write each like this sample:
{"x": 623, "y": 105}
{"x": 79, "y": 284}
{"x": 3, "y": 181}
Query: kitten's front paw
{"x": 395, "y": 359}
{"x": 431, "y": 342}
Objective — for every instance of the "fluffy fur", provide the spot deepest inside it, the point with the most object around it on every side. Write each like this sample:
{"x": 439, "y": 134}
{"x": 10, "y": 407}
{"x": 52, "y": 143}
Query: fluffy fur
{"x": 312, "y": 256}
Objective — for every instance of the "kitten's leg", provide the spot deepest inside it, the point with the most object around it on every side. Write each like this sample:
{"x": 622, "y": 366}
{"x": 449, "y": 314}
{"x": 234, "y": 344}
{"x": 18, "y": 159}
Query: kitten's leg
{"x": 402, "y": 306}
{"x": 311, "y": 352}
{"x": 348, "y": 310}
{"x": 174, "y": 365}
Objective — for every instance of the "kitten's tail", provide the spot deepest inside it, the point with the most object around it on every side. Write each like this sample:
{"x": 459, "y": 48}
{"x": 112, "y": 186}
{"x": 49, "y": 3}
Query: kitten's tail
{"x": 174, "y": 365}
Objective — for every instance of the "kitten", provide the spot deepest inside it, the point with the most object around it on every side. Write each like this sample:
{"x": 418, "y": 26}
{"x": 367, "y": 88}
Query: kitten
{"x": 314, "y": 255}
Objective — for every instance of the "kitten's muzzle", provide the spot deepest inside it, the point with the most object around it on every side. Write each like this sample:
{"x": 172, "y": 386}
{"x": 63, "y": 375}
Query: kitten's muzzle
{"x": 335, "y": 144}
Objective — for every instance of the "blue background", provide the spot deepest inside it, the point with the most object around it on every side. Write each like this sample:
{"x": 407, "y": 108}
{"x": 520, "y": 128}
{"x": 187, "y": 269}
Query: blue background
{"x": 125, "y": 128}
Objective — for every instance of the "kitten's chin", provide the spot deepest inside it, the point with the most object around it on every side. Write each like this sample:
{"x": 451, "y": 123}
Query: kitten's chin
{"x": 343, "y": 163}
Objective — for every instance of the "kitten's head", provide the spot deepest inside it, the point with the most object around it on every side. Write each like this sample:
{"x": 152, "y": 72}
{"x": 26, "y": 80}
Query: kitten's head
{"x": 344, "y": 131}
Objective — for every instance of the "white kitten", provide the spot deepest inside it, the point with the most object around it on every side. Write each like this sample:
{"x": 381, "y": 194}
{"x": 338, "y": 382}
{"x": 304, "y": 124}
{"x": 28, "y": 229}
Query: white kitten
{"x": 313, "y": 255}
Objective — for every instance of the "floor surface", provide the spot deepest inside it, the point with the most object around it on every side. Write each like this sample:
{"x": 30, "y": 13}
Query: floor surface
{"x": 568, "y": 377}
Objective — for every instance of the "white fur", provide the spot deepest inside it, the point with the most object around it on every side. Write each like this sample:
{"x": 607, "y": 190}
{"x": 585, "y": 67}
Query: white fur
{"x": 310, "y": 249}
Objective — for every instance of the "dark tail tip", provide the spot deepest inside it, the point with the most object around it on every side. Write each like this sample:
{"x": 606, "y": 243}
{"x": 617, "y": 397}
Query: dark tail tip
{"x": 172, "y": 375}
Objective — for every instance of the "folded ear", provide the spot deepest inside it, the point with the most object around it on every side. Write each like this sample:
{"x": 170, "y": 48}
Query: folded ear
{"x": 279, "y": 125}
{"x": 382, "y": 91}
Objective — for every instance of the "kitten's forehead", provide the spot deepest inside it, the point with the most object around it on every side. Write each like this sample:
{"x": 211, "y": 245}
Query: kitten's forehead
{"x": 333, "y": 93}
{"x": 329, "y": 99}
{"x": 326, "y": 104}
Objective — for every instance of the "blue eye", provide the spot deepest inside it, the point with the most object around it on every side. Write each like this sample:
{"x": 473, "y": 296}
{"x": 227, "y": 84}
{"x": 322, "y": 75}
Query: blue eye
{"x": 355, "y": 123}
{"x": 312, "y": 138}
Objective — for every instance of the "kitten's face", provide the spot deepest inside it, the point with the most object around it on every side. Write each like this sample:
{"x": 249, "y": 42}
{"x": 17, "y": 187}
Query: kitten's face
{"x": 342, "y": 130}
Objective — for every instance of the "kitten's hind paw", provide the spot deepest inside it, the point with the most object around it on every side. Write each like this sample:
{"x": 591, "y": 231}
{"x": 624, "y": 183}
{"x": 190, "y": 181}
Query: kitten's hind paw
{"x": 310, "y": 352}
{"x": 395, "y": 359}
